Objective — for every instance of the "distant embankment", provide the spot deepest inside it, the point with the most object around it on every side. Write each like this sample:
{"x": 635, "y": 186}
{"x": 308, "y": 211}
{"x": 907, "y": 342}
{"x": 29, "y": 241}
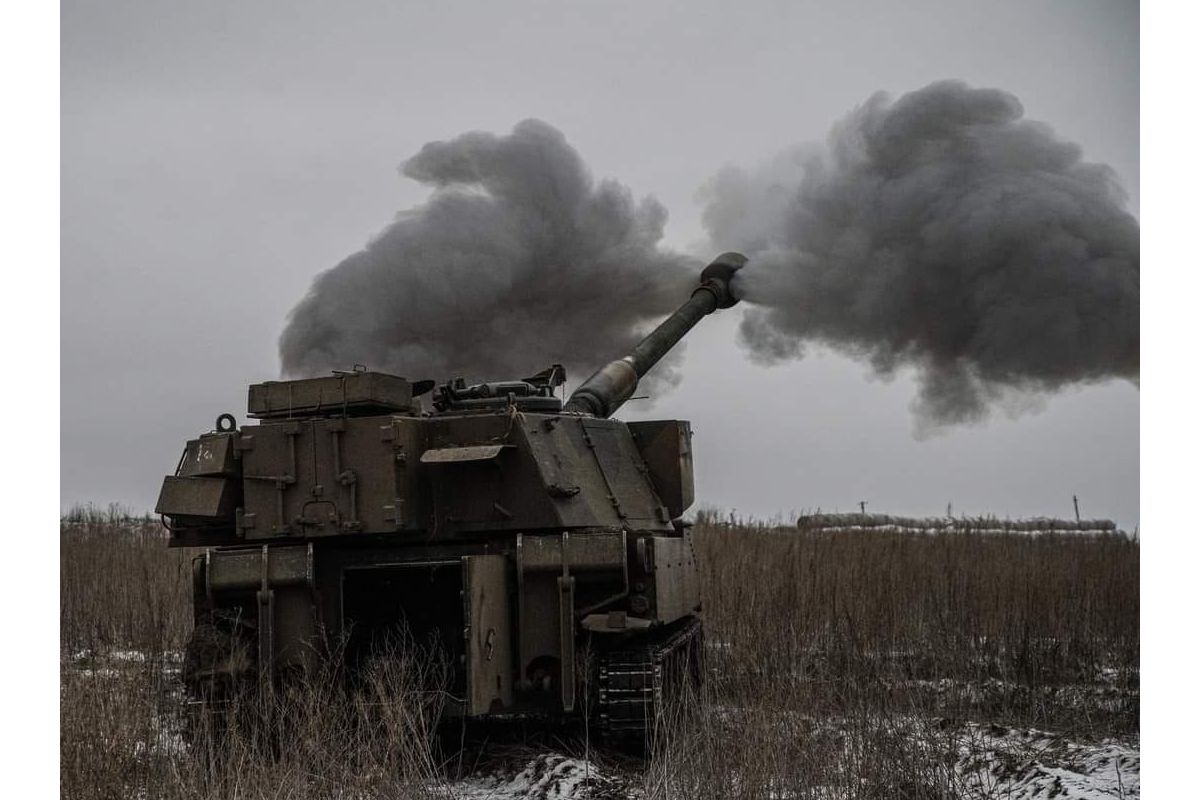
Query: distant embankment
{"x": 888, "y": 522}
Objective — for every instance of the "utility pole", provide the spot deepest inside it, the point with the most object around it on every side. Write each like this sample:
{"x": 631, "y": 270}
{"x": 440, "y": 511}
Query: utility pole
{"x": 862, "y": 506}
{"x": 1075, "y": 500}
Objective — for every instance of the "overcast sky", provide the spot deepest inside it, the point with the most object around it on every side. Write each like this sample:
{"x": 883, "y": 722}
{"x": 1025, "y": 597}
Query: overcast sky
{"x": 217, "y": 155}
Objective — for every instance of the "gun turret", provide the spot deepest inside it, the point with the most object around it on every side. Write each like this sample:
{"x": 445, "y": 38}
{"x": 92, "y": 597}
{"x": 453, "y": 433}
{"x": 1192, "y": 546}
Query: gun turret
{"x": 614, "y": 383}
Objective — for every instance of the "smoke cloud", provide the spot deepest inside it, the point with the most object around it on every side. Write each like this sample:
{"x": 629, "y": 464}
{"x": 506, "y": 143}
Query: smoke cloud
{"x": 519, "y": 259}
{"x": 945, "y": 232}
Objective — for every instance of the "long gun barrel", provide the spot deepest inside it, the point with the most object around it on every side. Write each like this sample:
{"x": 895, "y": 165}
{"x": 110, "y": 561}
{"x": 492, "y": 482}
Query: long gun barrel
{"x": 603, "y": 393}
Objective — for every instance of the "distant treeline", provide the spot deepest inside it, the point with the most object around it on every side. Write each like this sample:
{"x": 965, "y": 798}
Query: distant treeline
{"x": 950, "y": 524}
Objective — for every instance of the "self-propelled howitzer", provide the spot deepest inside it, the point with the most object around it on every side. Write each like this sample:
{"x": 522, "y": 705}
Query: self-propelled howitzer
{"x": 539, "y": 545}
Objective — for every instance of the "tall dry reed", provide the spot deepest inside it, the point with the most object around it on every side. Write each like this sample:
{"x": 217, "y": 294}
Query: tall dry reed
{"x": 849, "y": 664}
{"x": 127, "y": 730}
{"x": 839, "y": 664}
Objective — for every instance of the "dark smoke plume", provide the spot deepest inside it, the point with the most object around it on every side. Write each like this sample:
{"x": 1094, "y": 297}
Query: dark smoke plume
{"x": 519, "y": 259}
{"x": 945, "y": 232}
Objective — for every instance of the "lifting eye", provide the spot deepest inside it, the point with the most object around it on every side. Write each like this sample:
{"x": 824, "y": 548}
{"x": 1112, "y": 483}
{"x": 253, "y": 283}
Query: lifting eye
{"x": 226, "y": 423}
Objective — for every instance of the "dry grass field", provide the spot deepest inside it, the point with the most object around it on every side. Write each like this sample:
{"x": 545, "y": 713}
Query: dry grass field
{"x": 849, "y": 664}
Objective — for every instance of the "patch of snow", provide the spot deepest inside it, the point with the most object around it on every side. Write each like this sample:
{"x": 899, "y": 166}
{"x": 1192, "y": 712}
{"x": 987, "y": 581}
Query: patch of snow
{"x": 1035, "y": 765}
{"x": 100, "y": 672}
{"x": 549, "y": 776}
{"x": 1107, "y": 696}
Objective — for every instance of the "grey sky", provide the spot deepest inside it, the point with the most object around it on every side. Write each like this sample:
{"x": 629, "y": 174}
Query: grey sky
{"x": 216, "y": 156}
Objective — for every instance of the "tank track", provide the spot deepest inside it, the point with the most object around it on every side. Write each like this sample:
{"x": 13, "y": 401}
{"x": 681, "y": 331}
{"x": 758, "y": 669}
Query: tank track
{"x": 635, "y": 680}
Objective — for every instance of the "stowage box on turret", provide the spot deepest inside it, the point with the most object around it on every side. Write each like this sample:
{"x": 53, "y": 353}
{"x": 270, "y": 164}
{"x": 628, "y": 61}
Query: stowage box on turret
{"x": 534, "y": 541}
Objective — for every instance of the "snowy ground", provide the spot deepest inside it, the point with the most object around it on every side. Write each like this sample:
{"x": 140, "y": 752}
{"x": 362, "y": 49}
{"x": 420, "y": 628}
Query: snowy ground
{"x": 549, "y": 776}
{"x": 992, "y": 761}
{"x": 1035, "y": 765}
{"x": 995, "y": 763}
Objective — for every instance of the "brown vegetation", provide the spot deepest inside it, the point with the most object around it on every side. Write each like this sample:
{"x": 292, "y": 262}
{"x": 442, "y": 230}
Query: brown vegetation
{"x": 850, "y": 664}
{"x": 839, "y": 664}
